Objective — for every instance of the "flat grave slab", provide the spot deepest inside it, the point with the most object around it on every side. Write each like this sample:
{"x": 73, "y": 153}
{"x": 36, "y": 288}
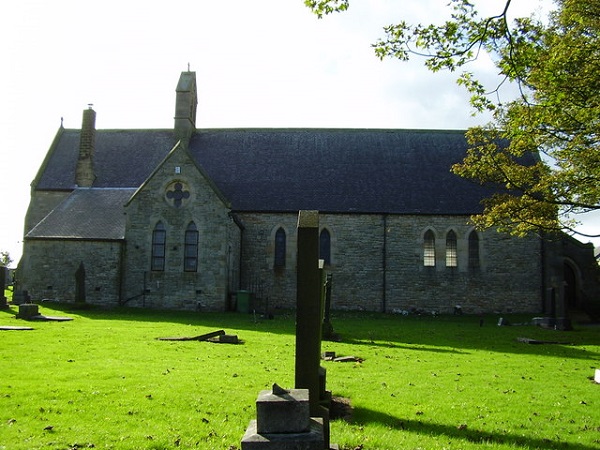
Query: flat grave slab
{"x": 13, "y": 328}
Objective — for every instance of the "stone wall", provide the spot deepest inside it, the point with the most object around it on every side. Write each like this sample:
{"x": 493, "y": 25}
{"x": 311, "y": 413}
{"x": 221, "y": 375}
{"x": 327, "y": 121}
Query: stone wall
{"x": 51, "y": 265}
{"x": 377, "y": 264}
{"x": 176, "y": 195}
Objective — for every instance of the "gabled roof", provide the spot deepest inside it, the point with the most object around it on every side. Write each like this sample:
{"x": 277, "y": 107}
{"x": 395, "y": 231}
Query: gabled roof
{"x": 285, "y": 170}
{"x": 179, "y": 148}
{"x": 87, "y": 213}
{"x": 122, "y": 158}
{"x": 339, "y": 170}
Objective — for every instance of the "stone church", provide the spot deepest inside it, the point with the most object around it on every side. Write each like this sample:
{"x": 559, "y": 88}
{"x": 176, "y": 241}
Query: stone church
{"x": 185, "y": 218}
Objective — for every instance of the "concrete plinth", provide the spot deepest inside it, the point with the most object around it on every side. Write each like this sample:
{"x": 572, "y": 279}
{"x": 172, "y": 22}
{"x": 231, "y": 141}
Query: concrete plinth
{"x": 310, "y": 440}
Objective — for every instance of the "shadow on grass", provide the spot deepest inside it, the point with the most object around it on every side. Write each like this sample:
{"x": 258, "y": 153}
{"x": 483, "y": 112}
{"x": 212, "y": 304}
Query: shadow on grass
{"x": 441, "y": 334}
{"x": 363, "y": 416}
{"x": 397, "y": 346}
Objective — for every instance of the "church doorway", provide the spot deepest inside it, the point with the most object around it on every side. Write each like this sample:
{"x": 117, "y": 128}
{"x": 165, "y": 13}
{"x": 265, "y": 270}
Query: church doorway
{"x": 570, "y": 284}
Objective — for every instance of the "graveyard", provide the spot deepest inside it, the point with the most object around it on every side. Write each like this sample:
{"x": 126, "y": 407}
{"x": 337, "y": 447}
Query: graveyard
{"x": 76, "y": 376}
{"x": 105, "y": 380}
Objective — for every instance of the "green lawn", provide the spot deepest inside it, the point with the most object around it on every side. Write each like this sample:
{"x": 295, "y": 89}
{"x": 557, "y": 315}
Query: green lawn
{"x": 104, "y": 381}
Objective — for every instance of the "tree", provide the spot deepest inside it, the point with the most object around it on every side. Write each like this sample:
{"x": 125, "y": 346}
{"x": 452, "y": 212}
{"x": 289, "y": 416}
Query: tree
{"x": 5, "y": 258}
{"x": 555, "y": 62}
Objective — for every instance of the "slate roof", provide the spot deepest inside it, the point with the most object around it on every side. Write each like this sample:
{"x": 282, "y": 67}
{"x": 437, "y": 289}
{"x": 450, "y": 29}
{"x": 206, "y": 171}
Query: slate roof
{"x": 284, "y": 170}
{"x": 87, "y": 213}
{"x": 122, "y": 158}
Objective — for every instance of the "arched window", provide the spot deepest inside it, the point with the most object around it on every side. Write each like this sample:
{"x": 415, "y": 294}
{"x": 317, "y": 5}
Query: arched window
{"x": 473, "y": 250}
{"x": 159, "y": 240}
{"x": 451, "y": 253}
{"x": 325, "y": 246}
{"x": 279, "y": 248}
{"x": 429, "y": 249}
{"x": 190, "y": 252}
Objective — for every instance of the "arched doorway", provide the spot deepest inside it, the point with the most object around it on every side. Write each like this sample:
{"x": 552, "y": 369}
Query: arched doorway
{"x": 571, "y": 300}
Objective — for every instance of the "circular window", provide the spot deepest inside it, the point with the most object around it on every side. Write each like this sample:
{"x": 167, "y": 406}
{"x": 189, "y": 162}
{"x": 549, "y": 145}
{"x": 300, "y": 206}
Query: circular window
{"x": 177, "y": 193}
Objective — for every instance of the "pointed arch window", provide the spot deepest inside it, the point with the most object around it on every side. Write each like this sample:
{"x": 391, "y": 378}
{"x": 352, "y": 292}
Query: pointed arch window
{"x": 280, "y": 250}
{"x": 325, "y": 246}
{"x": 451, "y": 252}
{"x": 473, "y": 250}
{"x": 429, "y": 249}
{"x": 190, "y": 251}
{"x": 159, "y": 241}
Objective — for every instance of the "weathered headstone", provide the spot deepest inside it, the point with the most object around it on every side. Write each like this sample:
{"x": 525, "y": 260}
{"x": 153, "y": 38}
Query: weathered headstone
{"x": 28, "y": 311}
{"x": 296, "y": 419}
{"x": 308, "y": 307}
{"x": 309, "y": 317}
{"x": 3, "y": 283}
{"x": 327, "y": 331}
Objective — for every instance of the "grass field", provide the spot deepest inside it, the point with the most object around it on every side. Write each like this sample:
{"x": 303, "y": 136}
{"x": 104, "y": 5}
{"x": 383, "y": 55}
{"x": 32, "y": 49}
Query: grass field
{"x": 104, "y": 381}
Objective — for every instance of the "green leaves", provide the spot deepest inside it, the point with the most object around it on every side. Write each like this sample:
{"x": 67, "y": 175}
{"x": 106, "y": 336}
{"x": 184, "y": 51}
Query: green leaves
{"x": 555, "y": 63}
{"x": 321, "y": 8}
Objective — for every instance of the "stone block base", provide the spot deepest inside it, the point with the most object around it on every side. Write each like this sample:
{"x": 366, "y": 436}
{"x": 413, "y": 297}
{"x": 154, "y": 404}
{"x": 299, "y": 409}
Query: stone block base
{"x": 28, "y": 310}
{"x": 284, "y": 413}
{"x": 311, "y": 440}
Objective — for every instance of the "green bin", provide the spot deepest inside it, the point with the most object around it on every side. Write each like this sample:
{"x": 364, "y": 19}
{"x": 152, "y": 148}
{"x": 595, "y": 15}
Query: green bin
{"x": 243, "y": 301}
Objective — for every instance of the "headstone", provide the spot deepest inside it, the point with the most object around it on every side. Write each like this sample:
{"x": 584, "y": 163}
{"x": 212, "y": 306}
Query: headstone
{"x": 3, "y": 284}
{"x": 308, "y": 308}
{"x": 296, "y": 419}
{"x": 28, "y": 310}
{"x": 327, "y": 326}
{"x": 309, "y": 318}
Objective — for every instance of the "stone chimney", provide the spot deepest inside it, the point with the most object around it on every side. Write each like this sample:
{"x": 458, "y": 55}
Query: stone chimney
{"x": 185, "y": 106}
{"x": 84, "y": 173}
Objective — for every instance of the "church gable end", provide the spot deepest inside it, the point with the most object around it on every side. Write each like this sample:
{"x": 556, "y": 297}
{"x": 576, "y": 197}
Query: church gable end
{"x": 178, "y": 236}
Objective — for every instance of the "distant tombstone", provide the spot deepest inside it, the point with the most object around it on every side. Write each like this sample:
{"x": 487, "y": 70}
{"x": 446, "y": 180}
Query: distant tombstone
{"x": 327, "y": 326}
{"x": 3, "y": 283}
{"x": 27, "y": 311}
{"x": 80, "y": 284}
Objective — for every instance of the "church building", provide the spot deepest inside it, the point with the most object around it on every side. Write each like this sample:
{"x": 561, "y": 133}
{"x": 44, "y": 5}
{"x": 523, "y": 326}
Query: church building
{"x": 186, "y": 218}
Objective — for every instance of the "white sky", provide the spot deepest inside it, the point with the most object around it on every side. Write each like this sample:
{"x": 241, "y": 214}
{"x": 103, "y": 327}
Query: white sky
{"x": 261, "y": 63}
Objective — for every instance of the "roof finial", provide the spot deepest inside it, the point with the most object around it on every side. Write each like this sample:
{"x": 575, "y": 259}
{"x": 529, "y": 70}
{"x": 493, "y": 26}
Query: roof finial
{"x": 61, "y": 122}
{"x": 188, "y": 67}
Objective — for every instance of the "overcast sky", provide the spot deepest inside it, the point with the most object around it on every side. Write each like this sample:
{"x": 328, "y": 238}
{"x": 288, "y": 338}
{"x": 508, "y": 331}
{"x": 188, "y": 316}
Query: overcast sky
{"x": 261, "y": 63}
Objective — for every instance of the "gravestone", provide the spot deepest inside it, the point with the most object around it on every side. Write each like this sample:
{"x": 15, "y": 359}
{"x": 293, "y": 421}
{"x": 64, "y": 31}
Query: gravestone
{"x": 327, "y": 329}
{"x": 296, "y": 419}
{"x": 4, "y": 275}
{"x": 308, "y": 308}
{"x": 28, "y": 311}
